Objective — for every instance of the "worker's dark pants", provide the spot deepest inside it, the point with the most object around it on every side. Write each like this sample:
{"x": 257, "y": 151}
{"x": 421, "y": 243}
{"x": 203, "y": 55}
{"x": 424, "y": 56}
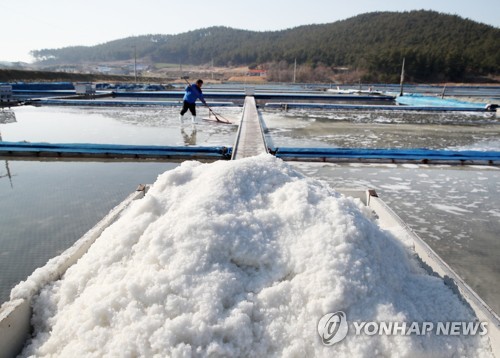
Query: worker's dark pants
{"x": 190, "y": 106}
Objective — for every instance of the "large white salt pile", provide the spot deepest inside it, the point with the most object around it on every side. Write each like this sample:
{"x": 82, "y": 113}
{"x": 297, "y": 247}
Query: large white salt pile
{"x": 242, "y": 258}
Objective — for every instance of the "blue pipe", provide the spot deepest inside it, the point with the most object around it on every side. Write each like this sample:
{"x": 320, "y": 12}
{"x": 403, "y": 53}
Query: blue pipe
{"x": 113, "y": 150}
{"x": 388, "y": 155}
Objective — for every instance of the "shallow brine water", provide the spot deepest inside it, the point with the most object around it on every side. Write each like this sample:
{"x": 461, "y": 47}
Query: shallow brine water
{"x": 124, "y": 125}
{"x": 383, "y": 129}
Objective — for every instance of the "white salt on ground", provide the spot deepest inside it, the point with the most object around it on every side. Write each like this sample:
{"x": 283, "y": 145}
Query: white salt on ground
{"x": 242, "y": 258}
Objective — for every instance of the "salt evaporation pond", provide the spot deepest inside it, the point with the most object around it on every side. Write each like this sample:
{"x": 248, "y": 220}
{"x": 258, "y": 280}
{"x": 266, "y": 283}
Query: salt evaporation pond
{"x": 117, "y": 125}
{"x": 241, "y": 258}
{"x": 383, "y": 129}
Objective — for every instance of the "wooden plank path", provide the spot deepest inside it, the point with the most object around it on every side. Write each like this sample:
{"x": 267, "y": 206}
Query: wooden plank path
{"x": 250, "y": 139}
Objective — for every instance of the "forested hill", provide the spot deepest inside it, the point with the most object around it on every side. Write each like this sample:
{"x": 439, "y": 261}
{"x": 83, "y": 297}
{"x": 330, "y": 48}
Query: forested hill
{"x": 433, "y": 44}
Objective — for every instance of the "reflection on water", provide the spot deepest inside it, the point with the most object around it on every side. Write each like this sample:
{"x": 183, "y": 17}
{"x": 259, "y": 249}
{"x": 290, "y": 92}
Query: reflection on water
{"x": 7, "y": 116}
{"x": 7, "y": 174}
{"x": 189, "y": 136}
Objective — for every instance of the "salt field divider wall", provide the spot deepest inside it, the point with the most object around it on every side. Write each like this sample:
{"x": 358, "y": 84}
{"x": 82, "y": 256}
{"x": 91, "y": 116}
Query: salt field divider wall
{"x": 286, "y": 106}
{"x": 367, "y": 155}
{"x": 258, "y": 95}
{"x": 113, "y": 103}
{"x": 110, "y": 151}
{"x": 209, "y": 95}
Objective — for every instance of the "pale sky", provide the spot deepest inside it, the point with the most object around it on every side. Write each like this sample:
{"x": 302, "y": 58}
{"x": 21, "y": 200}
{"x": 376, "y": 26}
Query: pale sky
{"x": 35, "y": 24}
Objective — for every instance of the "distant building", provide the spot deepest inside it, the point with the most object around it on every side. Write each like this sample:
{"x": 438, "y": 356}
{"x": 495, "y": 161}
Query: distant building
{"x": 257, "y": 73}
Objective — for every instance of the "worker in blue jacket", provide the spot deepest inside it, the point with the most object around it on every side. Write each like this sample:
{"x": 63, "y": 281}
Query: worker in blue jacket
{"x": 193, "y": 92}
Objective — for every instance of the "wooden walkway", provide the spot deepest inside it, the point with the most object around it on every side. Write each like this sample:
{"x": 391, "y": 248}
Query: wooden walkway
{"x": 250, "y": 139}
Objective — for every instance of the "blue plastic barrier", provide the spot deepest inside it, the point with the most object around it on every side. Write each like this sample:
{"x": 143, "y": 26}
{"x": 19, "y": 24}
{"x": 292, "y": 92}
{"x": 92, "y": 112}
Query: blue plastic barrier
{"x": 426, "y": 156}
{"x": 87, "y": 150}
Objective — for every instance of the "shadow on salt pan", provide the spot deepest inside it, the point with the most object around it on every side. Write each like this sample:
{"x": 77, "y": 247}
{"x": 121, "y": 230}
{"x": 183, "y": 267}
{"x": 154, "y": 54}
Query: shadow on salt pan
{"x": 242, "y": 258}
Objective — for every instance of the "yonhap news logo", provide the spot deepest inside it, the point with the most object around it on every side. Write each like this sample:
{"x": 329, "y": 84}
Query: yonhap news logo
{"x": 333, "y": 328}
